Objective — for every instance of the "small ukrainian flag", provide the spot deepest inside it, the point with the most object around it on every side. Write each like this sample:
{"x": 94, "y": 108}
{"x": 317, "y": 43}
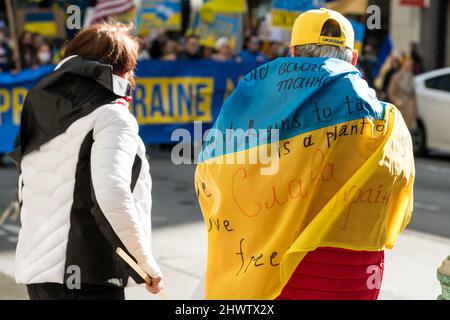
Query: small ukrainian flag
{"x": 41, "y": 22}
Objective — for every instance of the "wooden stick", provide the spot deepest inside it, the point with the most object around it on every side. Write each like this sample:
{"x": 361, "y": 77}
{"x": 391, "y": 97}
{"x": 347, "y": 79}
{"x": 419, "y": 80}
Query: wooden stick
{"x": 139, "y": 270}
{"x": 12, "y": 29}
{"x": 12, "y": 212}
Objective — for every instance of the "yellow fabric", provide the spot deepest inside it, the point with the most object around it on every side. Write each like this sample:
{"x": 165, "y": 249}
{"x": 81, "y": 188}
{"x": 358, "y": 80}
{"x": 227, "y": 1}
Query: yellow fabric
{"x": 44, "y": 28}
{"x": 283, "y": 18}
{"x": 354, "y": 192}
{"x": 308, "y": 27}
{"x": 151, "y": 21}
{"x": 358, "y": 7}
{"x": 209, "y": 9}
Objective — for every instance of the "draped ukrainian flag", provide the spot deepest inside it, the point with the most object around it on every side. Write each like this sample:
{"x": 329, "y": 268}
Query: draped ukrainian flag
{"x": 344, "y": 178}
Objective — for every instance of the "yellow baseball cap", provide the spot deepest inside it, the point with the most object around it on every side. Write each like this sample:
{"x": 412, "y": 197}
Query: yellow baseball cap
{"x": 308, "y": 27}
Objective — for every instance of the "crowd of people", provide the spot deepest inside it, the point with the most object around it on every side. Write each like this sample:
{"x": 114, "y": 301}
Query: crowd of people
{"x": 163, "y": 48}
{"x": 36, "y": 50}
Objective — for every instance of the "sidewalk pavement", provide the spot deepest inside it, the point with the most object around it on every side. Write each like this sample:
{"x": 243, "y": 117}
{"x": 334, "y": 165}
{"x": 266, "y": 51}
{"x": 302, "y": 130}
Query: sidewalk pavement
{"x": 410, "y": 268}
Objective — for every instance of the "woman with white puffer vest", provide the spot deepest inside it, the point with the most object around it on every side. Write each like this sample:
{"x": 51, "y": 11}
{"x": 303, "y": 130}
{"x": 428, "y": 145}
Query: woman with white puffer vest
{"x": 85, "y": 186}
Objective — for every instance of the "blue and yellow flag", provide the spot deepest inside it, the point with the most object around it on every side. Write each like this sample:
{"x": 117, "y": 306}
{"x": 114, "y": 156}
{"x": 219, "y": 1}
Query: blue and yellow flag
{"x": 159, "y": 14}
{"x": 217, "y": 19}
{"x": 302, "y": 155}
{"x": 41, "y": 23}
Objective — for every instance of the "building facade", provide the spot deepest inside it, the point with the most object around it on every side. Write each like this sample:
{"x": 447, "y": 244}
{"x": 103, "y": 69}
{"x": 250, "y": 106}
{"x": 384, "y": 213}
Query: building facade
{"x": 426, "y": 22}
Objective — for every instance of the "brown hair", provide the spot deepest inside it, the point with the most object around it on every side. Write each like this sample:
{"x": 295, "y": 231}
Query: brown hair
{"x": 331, "y": 29}
{"x": 109, "y": 43}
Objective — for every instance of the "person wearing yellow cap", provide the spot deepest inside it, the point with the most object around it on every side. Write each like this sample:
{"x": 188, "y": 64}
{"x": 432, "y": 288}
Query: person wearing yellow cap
{"x": 323, "y": 33}
{"x": 340, "y": 187}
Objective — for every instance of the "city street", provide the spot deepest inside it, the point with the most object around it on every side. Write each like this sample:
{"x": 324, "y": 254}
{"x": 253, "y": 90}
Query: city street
{"x": 176, "y": 213}
{"x": 432, "y": 196}
{"x": 90, "y": 88}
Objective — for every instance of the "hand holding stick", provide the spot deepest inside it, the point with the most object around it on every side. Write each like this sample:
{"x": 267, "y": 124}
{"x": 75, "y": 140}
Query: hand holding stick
{"x": 148, "y": 280}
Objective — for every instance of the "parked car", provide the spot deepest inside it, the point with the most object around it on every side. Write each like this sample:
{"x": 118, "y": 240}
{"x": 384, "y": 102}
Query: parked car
{"x": 433, "y": 102}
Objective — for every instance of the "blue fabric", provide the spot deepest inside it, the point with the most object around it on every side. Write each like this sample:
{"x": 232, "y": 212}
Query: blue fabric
{"x": 251, "y": 57}
{"x": 383, "y": 54}
{"x": 39, "y": 17}
{"x": 359, "y": 29}
{"x": 294, "y": 95}
{"x": 302, "y": 5}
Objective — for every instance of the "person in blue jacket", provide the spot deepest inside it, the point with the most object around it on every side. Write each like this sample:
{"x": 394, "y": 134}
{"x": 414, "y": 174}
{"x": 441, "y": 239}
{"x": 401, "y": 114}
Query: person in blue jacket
{"x": 252, "y": 52}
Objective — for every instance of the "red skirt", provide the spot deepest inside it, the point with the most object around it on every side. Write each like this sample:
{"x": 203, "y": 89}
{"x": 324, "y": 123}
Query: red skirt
{"x": 336, "y": 274}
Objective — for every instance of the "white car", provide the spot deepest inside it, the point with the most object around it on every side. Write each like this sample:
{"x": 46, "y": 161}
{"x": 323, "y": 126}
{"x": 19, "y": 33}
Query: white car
{"x": 433, "y": 102}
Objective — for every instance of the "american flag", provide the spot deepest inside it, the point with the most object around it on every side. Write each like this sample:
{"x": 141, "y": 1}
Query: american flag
{"x": 106, "y": 8}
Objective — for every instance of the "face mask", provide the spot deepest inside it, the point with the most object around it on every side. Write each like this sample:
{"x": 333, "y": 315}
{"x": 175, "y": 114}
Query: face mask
{"x": 44, "y": 57}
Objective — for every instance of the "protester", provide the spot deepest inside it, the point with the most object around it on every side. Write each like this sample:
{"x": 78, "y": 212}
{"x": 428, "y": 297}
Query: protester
{"x": 144, "y": 49}
{"x": 207, "y": 52}
{"x": 252, "y": 52}
{"x": 78, "y": 136}
{"x": 37, "y": 40}
{"x": 5, "y": 53}
{"x": 156, "y": 50}
{"x": 43, "y": 55}
{"x": 191, "y": 48}
{"x": 368, "y": 63}
{"x": 417, "y": 59}
{"x": 304, "y": 221}
{"x": 169, "y": 51}
{"x": 27, "y": 51}
{"x": 393, "y": 68}
{"x": 35, "y": 50}
{"x": 275, "y": 50}
{"x": 401, "y": 92}
{"x": 224, "y": 52}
